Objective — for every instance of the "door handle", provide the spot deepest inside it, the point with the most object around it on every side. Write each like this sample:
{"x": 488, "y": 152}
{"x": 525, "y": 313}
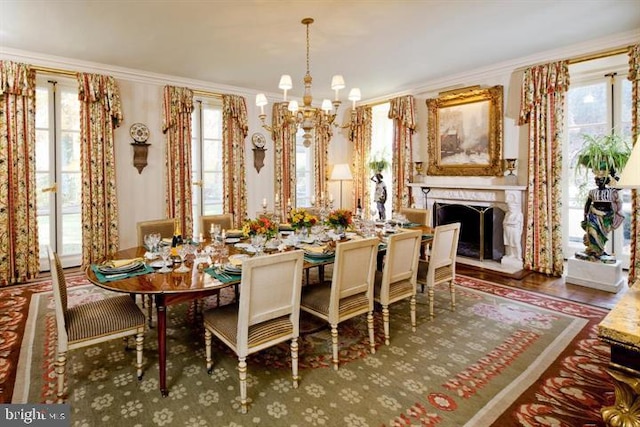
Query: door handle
{"x": 52, "y": 189}
{"x": 198, "y": 183}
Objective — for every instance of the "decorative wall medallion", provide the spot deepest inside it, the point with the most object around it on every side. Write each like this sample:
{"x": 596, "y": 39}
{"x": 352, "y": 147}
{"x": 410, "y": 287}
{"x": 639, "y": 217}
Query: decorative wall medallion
{"x": 258, "y": 140}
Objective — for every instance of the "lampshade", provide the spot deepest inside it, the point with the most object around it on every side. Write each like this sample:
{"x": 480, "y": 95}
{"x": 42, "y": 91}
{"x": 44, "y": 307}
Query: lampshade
{"x": 261, "y": 100}
{"x": 354, "y": 94}
{"x": 326, "y": 105}
{"x": 293, "y": 106}
{"x": 337, "y": 82}
{"x": 630, "y": 176}
{"x": 285, "y": 82}
{"x": 341, "y": 172}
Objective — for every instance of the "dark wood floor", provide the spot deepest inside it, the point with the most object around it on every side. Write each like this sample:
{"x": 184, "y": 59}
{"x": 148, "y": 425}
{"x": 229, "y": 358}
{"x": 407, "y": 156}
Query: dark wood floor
{"x": 548, "y": 285}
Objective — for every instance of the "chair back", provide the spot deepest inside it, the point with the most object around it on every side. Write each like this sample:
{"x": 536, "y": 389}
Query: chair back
{"x": 353, "y": 273}
{"x": 443, "y": 251}
{"x": 60, "y": 298}
{"x": 401, "y": 261}
{"x": 163, "y": 226}
{"x": 270, "y": 289}
{"x": 225, "y": 221}
{"x": 418, "y": 216}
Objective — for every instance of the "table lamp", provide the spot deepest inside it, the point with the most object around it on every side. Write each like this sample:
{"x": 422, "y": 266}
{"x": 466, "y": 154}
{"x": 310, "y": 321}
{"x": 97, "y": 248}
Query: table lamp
{"x": 630, "y": 176}
{"x": 341, "y": 172}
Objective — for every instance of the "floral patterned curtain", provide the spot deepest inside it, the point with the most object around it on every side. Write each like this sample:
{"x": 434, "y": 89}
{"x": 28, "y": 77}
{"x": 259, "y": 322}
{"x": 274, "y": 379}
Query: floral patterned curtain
{"x": 403, "y": 112}
{"x": 176, "y": 116}
{"x": 234, "y": 132}
{"x": 634, "y": 77}
{"x": 19, "y": 251}
{"x": 283, "y": 134}
{"x": 324, "y": 132}
{"x": 100, "y": 114}
{"x": 542, "y": 98}
{"x": 360, "y": 136}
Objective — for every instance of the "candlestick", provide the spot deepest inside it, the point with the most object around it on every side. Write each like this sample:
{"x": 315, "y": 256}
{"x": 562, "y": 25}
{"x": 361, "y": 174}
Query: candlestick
{"x": 264, "y": 203}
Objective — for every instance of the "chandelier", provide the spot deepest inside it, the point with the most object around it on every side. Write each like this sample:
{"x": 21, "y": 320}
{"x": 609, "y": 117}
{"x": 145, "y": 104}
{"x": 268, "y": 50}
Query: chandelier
{"x": 309, "y": 117}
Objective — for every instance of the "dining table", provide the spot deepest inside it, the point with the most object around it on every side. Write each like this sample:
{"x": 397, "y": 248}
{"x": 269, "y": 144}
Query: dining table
{"x": 172, "y": 288}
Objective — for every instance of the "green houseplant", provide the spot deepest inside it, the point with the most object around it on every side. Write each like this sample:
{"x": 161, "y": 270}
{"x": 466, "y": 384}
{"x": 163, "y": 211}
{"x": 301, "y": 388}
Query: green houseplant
{"x": 378, "y": 164}
{"x": 601, "y": 153}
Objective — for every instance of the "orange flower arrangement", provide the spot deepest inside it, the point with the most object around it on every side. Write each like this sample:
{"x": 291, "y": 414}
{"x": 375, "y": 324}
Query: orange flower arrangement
{"x": 260, "y": 225}
{"x": 340, "y": 217}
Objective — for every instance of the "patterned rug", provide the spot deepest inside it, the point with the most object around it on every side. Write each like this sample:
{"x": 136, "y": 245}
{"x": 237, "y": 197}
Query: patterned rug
{"x": 504, "y": 357}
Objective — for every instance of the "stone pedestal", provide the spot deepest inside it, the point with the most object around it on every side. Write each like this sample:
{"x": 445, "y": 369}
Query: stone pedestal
{"x": 596, "y": 275}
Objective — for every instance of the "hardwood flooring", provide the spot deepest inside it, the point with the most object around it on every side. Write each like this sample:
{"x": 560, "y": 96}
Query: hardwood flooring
{"x": 548, "y": 285}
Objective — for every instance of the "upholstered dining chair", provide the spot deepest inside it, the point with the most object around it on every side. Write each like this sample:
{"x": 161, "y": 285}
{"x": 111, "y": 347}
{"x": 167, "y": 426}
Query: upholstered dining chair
{"x": 397, "y": 281}
{"x": 225, "y": 221}
{"x": 268, "y": 313}
{"x": 418, "y": 216}
{"x": 350, "y": 293}
{"x": 91, "y": 323}
{"x": 162, "y": 226}
{"x": 441, "y": 265}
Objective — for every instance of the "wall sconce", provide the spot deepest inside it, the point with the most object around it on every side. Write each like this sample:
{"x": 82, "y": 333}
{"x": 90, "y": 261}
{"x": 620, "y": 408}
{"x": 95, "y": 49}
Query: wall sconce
{"x": 418, "y": 166}
{"x": 140, "y": 134}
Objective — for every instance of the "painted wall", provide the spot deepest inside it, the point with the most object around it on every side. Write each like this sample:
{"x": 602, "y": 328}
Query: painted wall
{"x": 141, "y": 196}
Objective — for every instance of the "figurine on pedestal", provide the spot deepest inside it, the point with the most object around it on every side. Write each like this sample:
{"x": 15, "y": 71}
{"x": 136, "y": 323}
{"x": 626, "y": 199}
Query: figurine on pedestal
{"x": 602, "y": 214}
{"x": 512, "y": 230}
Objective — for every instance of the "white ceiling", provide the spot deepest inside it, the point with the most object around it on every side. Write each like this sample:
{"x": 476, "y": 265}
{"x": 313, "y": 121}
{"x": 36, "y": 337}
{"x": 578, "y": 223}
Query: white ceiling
{"x": 382, "y": 46}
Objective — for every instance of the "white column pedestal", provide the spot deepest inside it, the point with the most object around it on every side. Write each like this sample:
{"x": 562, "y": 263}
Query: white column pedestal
{"x": 596, "y": 275}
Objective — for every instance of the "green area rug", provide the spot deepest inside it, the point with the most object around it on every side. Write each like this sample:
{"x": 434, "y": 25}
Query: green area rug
{"x": 489, "y": 362}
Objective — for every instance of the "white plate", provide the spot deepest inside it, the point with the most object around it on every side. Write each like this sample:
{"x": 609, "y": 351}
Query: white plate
{"x": 232, "y": 240}
{"x": 231, "y": 269}
{"x": 123, "y": 269}
{"x": 242, "y": 245}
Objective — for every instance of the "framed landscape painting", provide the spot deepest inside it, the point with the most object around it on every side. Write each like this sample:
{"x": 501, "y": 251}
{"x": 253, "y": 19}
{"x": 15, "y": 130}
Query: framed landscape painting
{"x": 465, "y": 132}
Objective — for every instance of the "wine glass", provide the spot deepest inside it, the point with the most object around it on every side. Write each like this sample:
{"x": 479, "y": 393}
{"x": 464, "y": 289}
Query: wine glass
{"x": 165, "y": 251}
{"x": 155, "y": 239}
{"x": 182, "y": 252}
{"x": 258, "y": 241}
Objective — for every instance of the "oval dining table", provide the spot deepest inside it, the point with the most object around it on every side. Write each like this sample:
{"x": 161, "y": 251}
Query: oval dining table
{"x": 174, "y": 288}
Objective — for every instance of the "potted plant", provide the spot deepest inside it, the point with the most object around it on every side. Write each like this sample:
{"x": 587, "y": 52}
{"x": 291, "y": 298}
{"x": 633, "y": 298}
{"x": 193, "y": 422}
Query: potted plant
{"x": 378, "y": 163}
{"x": 601, "y": 153}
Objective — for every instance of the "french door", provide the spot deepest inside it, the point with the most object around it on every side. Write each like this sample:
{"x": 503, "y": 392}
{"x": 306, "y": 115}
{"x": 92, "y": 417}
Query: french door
{"x": 58, "y": 177}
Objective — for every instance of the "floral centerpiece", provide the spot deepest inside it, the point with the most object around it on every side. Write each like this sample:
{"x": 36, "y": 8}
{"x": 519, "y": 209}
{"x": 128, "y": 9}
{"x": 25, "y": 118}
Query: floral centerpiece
{"x": 340, "y": 218}
{"x": 302, "y": 218}
{"x": 262, "y": 225}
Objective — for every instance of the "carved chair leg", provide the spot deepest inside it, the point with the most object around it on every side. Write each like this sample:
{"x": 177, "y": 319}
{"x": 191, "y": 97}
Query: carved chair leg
{"x": 334, "y": 345}
{"x": 412, "y": 305}
{"x": 372, "y": 338}
{"x": 294, "y": 362}
{"x": 61, "y": 362}
{"x": 139, "y": 347}
{"x": 385, "y": 321}
{"x": 207, "y": 347}
{"x": 242, "y": 371}
{"x": 452, "y": 289}
{"x": 431, "y": 298}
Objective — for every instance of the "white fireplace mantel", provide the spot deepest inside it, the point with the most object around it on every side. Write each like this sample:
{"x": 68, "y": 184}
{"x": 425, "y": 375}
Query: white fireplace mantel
{"x": 506, "y": 197}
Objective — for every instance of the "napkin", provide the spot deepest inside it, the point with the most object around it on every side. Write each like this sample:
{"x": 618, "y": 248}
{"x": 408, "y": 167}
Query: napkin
{"x": 117, "y": 263}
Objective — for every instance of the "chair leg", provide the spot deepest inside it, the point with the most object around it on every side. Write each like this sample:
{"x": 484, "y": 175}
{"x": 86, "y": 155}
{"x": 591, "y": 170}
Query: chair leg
{"x": 61, "y": 362}
{"x": 207, "y": 347}
{"x": 412, "y": 304}
{"x": 452, "y": 289}
{"x": 385, "y": 321}
{"x": 149, "y": 310}
{"x": 242, "y": 370}
{"x": 372, "y": 339}
{"x": 294, "y": 362}
{"x": 139, "y": 347}
{"x": 431, "y": 297}
{"x": 334, "y": 345}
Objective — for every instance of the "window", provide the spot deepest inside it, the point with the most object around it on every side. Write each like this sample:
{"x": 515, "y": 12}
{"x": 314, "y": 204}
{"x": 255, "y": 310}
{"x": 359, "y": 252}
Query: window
{"x": 58, "y": 171}
{"x": 598, "y": 100}
{"x": 381, "y": 147}
{"x": 305, "y": 184}
{"x": 206, "y": 160}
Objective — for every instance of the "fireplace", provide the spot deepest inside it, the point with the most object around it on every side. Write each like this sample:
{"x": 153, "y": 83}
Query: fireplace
{"x": 481, "y": 234}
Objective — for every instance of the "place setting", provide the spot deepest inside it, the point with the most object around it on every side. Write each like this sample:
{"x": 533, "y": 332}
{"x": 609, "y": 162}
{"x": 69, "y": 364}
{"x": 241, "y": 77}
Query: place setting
{"x": 120, "y": 269}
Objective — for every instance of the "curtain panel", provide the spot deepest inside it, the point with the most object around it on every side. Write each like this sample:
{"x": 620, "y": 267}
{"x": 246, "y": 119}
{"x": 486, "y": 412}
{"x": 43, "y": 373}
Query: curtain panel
{"x": 100, "y": 114}
{"x": 634, "y": 77}
{"x": 19, "y": 253}
{"x": 234, "y": 132}
{"x": 283, "y": 133}
{"x": 360, "y": 136}
{"x": 542, "y": 107}
{"x": 403, "y": 112}
{"x": 323, "y": 132}
{"x": 176, "y": 116}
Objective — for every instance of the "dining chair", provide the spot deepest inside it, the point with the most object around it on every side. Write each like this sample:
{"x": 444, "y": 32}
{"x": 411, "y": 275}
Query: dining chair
{"x": 163, "y": 226}
{"x": 440, "y": 267}
{"x": 418, "y": 216}
{"x": 91, "y": 323}
{"x": 350, "y": 293}
{"x": 267, "y": 314}
{"x": 397, "y": 281}
{"x": 225, "y": 221}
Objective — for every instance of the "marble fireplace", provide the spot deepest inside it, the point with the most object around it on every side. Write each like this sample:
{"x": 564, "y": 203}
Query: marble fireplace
{"x": 481, "y": 210}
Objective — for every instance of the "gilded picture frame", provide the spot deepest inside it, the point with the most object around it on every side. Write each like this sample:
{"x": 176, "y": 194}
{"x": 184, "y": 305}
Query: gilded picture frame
{"x": 465, "y": 131}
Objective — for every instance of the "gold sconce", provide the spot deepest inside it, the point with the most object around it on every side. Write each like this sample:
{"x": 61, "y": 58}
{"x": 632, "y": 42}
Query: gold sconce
{"x": 140, "y": 134}
{"x": 511, "y": 165}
